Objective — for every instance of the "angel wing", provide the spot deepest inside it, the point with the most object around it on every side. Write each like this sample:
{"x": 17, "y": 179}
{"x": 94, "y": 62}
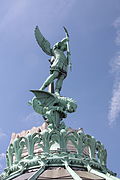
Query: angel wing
{"x": 42, "y": 42}
{"x": 46, "y": 98}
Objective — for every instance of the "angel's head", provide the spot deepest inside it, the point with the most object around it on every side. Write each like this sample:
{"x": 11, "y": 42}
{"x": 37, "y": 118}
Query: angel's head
{"x": 62, "y": 45}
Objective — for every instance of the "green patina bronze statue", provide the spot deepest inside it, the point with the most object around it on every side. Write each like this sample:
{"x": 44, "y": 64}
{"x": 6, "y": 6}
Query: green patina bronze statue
{"x": 51, "y": 105}
{"x": 59, "y": 61}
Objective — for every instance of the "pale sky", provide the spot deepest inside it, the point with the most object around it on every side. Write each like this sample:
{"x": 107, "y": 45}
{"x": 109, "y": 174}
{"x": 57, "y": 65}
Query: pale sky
{"x": 94, "y": 28}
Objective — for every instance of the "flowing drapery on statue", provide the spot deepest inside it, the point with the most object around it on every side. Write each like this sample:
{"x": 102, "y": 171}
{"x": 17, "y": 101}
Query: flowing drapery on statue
{"x": 59, "y": 60}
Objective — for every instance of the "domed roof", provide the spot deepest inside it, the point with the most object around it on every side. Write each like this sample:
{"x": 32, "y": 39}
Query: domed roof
{"x": 59, "y": 173}
{"x": 47, "y": 153}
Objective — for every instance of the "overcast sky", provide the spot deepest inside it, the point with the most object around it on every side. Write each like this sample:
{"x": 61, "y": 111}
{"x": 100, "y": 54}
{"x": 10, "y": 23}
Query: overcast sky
{"x": 94, "y": 28}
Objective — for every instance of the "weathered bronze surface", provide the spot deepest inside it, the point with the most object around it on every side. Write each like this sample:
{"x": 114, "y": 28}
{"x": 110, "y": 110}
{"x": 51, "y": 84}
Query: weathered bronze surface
{"x": 51, "y": 105}
{"x": 59, "y": 61}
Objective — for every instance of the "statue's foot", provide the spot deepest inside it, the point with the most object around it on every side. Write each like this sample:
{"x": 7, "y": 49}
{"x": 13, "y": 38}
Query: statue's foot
{"x": 57, "y": 94}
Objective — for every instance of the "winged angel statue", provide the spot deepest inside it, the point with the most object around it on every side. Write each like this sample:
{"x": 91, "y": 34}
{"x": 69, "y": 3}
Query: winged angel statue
{"x": 51, "y": 105}
{"x": 59, "y": 60}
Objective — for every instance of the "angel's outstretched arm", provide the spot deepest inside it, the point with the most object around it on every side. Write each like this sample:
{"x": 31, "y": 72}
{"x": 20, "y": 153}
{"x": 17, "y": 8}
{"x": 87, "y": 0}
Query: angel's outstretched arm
{"x": 65, "y": 40}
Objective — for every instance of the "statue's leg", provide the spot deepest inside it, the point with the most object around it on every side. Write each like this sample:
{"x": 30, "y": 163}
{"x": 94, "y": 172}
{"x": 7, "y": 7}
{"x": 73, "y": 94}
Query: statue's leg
{"x": 59, "y": 83}
{"x": 49, "y": 80}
